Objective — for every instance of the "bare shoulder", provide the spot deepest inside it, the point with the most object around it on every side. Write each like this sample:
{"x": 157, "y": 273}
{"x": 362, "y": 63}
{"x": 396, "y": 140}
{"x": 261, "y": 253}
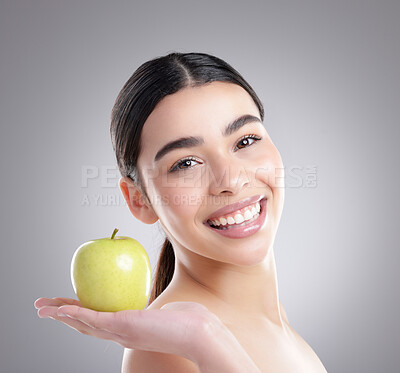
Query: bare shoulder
{"x": 138, "y": 361}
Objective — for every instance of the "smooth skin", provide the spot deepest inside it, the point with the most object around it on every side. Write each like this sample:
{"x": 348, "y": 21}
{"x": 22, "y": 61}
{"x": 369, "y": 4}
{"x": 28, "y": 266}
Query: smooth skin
{"x": 235, "y": 279}
{"x": 187, "y": 329}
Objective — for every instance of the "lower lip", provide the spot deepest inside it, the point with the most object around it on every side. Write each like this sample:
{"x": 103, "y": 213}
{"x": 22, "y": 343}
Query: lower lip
{"x": 242, "y": 231}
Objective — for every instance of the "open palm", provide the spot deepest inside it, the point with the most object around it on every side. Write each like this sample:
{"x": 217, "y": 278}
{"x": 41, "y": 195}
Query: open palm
{"x": 177, "y": 328}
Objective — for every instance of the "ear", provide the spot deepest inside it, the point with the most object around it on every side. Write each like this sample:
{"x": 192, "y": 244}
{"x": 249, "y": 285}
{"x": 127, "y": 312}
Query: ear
{"x": 137, "y": 202}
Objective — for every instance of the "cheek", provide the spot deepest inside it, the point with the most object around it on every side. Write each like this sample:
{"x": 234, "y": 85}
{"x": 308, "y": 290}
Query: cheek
{"x": 180, "y": 204}
{"x": 270, "y": 169}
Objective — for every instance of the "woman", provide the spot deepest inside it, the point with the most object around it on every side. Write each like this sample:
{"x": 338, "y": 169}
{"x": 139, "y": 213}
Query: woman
{"x": 193, "y": 153}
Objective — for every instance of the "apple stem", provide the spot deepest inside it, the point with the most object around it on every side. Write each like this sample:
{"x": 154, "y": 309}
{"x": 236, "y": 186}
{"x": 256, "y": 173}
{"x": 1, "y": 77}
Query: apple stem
{"x": 114, "y": 233}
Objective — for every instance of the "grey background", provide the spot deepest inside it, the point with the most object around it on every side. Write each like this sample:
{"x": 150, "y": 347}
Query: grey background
{"x": 327, "y": 73}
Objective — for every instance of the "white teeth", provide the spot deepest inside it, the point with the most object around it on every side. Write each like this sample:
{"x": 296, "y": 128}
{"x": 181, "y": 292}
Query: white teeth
{"x": 239, "y": 218}
{"x": 231, "y": 220}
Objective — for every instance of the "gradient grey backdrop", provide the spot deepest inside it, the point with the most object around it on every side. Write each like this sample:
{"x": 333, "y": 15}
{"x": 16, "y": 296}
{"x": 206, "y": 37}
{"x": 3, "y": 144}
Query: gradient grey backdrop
{"x": 328, "y": 75}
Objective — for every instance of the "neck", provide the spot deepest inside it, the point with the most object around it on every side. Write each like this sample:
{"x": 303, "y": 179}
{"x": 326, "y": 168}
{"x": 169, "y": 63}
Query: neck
{"x": 249, "y": 291}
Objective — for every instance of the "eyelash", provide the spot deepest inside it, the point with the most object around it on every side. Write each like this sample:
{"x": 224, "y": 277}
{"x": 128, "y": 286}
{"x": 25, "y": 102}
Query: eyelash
{"x": 175, "y": 167}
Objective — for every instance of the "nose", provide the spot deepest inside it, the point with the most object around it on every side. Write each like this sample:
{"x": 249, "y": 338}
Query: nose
{"x": 227, "y": 176}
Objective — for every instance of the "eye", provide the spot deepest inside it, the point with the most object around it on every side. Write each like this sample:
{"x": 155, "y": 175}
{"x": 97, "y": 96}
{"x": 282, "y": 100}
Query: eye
{"x": 183, "y": 164}
{"x": 245, "y": 140}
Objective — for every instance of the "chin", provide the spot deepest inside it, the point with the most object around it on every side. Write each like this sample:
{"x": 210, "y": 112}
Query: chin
{"x": 243, "y": 256}
{"x": 257, "y": 257}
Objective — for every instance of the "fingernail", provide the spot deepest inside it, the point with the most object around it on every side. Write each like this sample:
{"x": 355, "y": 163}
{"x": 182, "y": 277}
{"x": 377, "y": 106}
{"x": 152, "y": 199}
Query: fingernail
{"x": 43, "y": 317}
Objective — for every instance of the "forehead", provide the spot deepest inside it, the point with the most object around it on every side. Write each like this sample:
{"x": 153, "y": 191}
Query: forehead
{"x": 194, "y": 111}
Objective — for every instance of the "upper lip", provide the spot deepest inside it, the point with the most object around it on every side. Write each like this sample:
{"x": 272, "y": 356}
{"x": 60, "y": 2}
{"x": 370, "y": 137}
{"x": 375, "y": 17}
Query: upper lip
{"x": 235, "y": 206}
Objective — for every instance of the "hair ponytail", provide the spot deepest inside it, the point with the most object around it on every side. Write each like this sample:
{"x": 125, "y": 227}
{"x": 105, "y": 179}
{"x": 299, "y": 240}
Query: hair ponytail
{"x": 165, "y": 270}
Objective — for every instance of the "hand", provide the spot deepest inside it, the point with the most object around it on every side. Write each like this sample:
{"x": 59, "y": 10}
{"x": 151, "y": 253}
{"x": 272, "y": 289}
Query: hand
{"x": 181, "y": 328}
{"x": 187, "y": 329}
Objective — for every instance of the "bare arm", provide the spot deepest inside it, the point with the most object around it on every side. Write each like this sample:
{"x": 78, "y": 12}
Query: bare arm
{"x": 186, "y": 329}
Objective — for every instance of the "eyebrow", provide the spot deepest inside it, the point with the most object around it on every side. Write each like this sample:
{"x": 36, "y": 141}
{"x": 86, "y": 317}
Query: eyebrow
{"x": 191, "y": 141}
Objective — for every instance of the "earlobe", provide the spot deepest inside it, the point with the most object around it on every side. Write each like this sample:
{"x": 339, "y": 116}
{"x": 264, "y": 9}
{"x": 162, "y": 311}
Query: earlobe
{"x": 138, "y": 205}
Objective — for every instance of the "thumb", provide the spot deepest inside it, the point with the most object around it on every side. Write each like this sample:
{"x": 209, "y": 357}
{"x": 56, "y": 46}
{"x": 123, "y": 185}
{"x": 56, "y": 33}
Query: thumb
{"x": 184, "y": 306}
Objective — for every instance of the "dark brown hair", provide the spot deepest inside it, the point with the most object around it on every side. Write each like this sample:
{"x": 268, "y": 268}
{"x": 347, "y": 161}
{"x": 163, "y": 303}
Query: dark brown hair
{"x": 148, "y": 85}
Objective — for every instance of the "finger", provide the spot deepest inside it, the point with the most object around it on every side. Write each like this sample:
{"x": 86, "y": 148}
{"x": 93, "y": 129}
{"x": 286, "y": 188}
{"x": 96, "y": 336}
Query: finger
{"x": 152, "y": 330}
{"x": 185, "y": 306}
{"x": 59, "y": 301}
{"x": 175, "y": 329}
{"x": 144, "y": 330}
{"x": 88, "y": 330}
{"x": 47, "y": 311}
{"x": 170, "y": 318}
{"x": 81, "y": 327}
{"x": 114, "y": 322}
{"x": 69, "y": 301}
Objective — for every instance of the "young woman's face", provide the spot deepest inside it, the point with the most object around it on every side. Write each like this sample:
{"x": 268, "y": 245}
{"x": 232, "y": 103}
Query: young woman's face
{"x": 188, "y": 184}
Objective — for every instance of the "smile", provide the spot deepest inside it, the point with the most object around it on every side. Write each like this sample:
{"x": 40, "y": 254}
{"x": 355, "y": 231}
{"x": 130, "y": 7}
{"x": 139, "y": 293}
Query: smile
{"x": 240, "y": 223}
{"x": 248, "y": 214}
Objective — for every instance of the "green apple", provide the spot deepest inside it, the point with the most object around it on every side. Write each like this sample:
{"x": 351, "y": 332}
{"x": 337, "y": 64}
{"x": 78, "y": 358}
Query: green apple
{"x": 111, "y": 274}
